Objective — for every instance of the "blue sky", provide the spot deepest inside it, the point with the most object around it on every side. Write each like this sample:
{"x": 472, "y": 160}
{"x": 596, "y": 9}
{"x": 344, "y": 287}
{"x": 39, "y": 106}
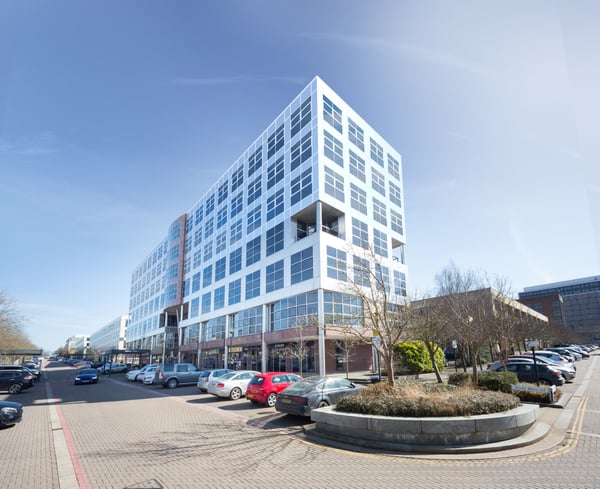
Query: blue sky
{"x": 116, "y": 117}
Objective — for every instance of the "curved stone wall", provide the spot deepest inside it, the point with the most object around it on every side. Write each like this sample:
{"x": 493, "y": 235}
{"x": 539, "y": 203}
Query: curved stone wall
{"x": 423, "y": 434}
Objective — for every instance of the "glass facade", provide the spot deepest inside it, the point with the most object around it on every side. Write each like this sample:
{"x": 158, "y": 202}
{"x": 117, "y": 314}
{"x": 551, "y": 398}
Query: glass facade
{"x": 275, "y": 233}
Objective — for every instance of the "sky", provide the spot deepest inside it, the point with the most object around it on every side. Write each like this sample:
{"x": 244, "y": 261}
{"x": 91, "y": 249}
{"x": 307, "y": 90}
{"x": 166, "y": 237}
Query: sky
{"x": 117, "y": 116}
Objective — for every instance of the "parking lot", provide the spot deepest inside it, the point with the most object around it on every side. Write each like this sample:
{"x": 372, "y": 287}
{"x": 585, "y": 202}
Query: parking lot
{"x": 120, "y": 434}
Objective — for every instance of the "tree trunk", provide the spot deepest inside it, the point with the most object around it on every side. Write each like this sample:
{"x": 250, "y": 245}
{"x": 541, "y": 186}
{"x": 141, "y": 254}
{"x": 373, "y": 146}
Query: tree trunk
{"x": 474, "y": 369}
{"x": 389, "y": 365}
{"x": 436, "y": 369}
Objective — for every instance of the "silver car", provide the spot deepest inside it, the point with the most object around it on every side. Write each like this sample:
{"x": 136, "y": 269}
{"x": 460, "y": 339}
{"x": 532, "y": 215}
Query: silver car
{"x": 207, "y": 375}
{"x": 232, "y": 385}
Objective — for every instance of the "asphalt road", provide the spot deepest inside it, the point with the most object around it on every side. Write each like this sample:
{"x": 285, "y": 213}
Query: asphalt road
{"x": 119, "y": 434}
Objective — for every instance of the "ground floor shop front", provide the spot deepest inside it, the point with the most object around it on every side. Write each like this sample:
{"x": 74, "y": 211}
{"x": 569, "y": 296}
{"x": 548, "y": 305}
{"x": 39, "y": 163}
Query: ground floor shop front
{"x": 284, "y": 353}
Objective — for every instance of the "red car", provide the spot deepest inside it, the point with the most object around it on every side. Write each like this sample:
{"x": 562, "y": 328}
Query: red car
{"x": 263, "y": 388}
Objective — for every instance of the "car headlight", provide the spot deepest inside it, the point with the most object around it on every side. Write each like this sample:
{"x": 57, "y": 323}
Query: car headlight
{"x": 9, "y": 410}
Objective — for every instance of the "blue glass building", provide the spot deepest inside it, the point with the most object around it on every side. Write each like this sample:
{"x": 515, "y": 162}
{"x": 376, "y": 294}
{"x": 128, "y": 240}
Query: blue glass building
{"x": 574, "y": 304}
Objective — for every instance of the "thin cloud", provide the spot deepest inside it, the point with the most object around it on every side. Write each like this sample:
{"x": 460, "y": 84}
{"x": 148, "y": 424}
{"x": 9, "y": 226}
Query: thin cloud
{"x": 40, "y": 144}
{"x": 458, "y": 135}
{"x": 407, "y": 50}
{"x": 235, "y": 79}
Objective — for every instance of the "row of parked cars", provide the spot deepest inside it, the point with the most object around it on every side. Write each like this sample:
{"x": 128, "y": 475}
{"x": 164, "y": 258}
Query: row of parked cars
{"x": 14, "y": 379}
{"x": 287, "y": 392}
{"x": 551, "y": 366}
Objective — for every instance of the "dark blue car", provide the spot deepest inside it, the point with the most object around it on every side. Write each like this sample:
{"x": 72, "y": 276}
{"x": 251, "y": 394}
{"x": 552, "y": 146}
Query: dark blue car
{"x": 86, "y": 376}
{"x": 10, "y": 413}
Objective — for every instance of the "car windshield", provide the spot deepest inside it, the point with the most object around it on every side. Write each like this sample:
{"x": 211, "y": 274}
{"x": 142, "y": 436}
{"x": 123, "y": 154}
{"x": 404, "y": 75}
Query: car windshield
{"x": 228, "y": 376}
{"x": 88, "y": 371}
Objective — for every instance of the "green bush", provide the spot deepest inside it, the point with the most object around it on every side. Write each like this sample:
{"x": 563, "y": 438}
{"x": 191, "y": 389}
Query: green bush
{"x": 460, "y": 378}
{"x": 426, "y": 400}
{"x": 497, "y": 381}
{"x": 493, "y": 381}
{"x": 414, "y": 355}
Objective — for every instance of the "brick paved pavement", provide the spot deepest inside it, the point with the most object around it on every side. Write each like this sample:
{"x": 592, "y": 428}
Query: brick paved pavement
{"x": 121, "y": 435}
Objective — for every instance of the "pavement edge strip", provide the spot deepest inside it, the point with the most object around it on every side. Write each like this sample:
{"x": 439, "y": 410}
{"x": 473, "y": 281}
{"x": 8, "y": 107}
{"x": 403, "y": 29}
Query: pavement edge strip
{"x": 69, "y": 471}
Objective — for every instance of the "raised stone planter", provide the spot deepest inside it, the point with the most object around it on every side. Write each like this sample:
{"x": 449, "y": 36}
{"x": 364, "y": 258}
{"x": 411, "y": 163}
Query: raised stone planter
{"x": 548, "y": 391}
{"x": 424, "y": 434}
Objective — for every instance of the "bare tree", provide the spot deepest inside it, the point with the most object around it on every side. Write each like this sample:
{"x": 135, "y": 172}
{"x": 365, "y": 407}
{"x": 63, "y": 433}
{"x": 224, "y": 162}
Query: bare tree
{"x": 429, "y": 326}
{"x": 346, "y": 346}
{"x": 12, "y": 334}
{"x": 385, "y": 313}
{"x": 468, "y": 309}
{"x": 299, "y": 349}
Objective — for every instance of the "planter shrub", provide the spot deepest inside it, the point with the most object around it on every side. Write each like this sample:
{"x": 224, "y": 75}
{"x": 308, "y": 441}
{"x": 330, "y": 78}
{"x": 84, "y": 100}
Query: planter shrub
{"x": 497, "y": 381}
{"x": 460, "y": 378}
{"x": 426, "y": 400}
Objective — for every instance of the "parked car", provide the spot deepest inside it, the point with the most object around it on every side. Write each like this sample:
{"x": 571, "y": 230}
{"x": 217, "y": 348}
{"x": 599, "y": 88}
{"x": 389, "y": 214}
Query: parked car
{"x": 149, "y": 376}
{"x": 34, "y": 373}
{"x": 555, "y": 357}
{"x": 82, "y": 364}
{"x": 303, "y": 396}
{"x": 578, "y": 350}
{"x": 232, "y": 385}
{"x": 567, "y": 372}
{"x": 138, "y": 374}
{"x": 86, "y": 376}
{"x": 173, "y": 374}
{"x": 10, "y": 413}
{"x": 207, "y": 375}
{"x": 263, "y": 388}
{"x": 34, "y": 368}
{"x": 568, "y": 369}
{"x": 112, "y": 368}
{"x": 570, "y": 356}
{"x": 526, "y": 372}
{"x": 15, "y": 380}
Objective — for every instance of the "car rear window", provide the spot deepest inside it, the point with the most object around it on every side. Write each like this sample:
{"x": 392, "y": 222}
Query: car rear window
{"x": 257, "y": 380}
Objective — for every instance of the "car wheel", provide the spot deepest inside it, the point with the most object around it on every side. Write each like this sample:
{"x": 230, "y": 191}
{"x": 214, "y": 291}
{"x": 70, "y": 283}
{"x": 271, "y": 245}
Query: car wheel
{"x": 322, "y": 404}
{"x": 172, "y": 383}
{"x": 15, "y": 388}
{"x": 544, "y": 382}
{"x": 272, "y": 399}
{"x": 235, "y": 393}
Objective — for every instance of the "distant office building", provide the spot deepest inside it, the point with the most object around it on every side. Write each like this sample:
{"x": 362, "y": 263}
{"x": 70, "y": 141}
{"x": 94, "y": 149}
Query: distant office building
{"x": 78, "y": 344}
{"x": 112, "y": 336}
{"x": 262, "y": 259}
{"x": 574, "y": 304}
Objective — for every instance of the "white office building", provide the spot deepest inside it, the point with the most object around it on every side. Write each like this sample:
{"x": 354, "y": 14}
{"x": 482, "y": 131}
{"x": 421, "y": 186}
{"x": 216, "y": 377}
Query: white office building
{"x": 78, "y": 345}
{"x": 111, "y": 336}
{"x": 261, "y": 261}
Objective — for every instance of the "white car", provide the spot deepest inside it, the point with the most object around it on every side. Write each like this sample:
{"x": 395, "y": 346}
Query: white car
{"x": 232, "y": 385}
{"x": 134, "y": 375}
{"x": 150, "y": 375}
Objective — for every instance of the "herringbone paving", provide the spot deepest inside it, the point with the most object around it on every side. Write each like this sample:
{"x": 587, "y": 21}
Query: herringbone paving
{"x": 131, "y": 436}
